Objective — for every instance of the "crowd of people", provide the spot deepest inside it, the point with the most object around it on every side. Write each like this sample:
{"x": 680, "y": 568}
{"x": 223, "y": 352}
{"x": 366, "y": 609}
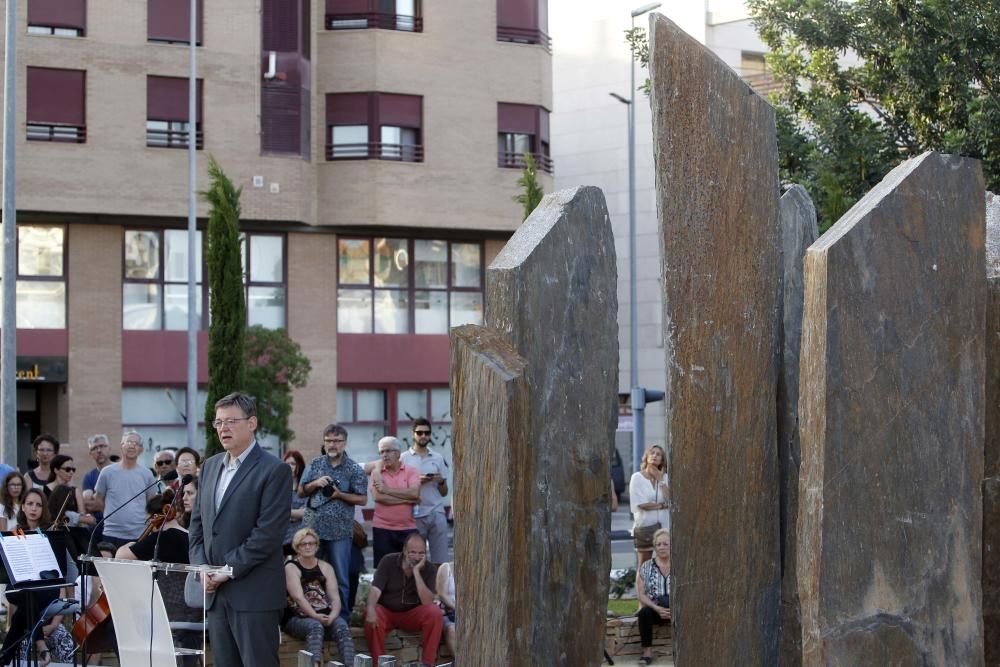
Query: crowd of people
{"x": 290, "y": 530}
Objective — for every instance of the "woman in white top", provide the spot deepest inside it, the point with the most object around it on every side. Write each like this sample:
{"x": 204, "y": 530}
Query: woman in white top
{"x": 10, "y": 500}
{"x": 446, "y": 593}
{"x": 647, "y": 492}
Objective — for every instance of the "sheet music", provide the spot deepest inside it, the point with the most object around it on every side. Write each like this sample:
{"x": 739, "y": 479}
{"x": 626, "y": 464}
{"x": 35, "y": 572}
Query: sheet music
{"x": 27, "y": 556}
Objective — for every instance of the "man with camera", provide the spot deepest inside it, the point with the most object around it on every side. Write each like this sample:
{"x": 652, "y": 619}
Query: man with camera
{"x": 333, "y": 485}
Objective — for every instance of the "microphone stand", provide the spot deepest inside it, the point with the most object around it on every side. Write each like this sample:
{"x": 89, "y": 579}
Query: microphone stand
{"x": 172, "y": 475}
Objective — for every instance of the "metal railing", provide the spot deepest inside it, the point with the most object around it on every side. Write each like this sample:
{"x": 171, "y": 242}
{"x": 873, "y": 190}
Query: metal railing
{"x": 173, "y": 139}
{"x": 516, "y": 161}
{"x": 363, "y": 20}
{"x": 523, "y": 36}
{"x": 375, "y": 151}
{"x": 762, "y": 83}
{"x": 72, "y": 134}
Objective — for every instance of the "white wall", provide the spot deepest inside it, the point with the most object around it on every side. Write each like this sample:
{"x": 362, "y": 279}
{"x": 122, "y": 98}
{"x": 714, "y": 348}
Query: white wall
{"x": 590, "y": 147}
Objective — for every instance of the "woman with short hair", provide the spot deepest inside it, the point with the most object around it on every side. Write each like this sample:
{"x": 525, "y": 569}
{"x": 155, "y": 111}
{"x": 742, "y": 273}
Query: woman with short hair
{"x": 314, "y": 600}
{"x": 652, "y": 583}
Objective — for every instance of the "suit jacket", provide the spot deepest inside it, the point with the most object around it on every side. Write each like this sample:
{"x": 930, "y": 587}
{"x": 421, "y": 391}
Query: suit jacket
{"x": 247, "y": 531}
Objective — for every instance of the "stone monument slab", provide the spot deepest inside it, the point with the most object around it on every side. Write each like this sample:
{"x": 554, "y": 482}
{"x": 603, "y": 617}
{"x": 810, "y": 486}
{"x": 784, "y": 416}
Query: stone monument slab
{"x": 716, "y": 162}
{"x": 892, "y": 408}
{"x": 534, "y": 403}
{"x": 991, "y": 484}
{"x": 797, "y": 217}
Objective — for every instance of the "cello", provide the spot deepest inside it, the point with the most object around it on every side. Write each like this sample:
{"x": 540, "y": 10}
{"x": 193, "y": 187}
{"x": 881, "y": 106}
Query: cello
{"x": 93, "y": 620}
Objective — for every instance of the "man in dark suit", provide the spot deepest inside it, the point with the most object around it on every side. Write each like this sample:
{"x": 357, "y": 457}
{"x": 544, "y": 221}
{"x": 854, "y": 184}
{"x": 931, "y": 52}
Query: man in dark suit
{"x": 239, "y": 520}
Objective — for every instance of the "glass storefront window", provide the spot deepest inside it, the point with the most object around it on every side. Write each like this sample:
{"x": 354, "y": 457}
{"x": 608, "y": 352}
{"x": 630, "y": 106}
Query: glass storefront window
{"x": 354, "y": 311}
{"x": 266, "y": 307}
{"x": 392, "y": 261}
{"x": 353, "y": 261}
{"x": 40, "y": 251}
{"x": 466, "y": 308}
{"x": 466, "y": 264}
{"x": 141, "y": 306}
{"x": 40, "y": 288}
{"x": 142, "y": 255}
{"x": 431, "y": 258}
{"x": 41, "y": 304}
{"x": 266, "y": 259}
{"x": 391, "y": 311}
{"x": 430, "y": 312}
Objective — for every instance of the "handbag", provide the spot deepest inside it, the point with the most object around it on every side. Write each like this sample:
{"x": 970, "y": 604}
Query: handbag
{"x": 358, "y": 536}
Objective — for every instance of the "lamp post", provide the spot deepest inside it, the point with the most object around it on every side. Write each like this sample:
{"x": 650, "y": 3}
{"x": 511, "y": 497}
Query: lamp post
{"x": 192, "y": 296}
{"x": 639, "y": 395}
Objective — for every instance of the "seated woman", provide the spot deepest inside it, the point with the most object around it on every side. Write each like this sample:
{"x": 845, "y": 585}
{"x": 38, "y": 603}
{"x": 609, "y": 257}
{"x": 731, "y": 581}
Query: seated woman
{"x": 653, "y": 586}
{"x": 446, "y": 593}
{"x": 314, "y": 600}
{"x": 173, "y": 548}
{"x": 51, "y": 636}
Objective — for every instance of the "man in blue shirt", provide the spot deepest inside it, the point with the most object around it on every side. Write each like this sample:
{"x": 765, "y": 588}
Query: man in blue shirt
{"x": 334, "y": 484}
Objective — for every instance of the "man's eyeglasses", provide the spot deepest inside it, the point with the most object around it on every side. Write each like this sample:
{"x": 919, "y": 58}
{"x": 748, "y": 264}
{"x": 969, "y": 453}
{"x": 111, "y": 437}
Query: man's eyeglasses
{"x": 163, "y": 463}
{"x": 228, "y": 423}
{"x": 333, "y": 441}
{"x": 421, "y": 433}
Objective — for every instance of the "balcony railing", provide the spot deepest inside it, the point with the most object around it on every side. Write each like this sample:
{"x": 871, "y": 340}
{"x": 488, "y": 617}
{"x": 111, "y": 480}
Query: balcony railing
{"x": 523, "y": 36}
{"x": 72, "y": 134}
{"x": 762, "y": 83}
{"x": 375, "y": 20}
{"x": 375, "y": 151}
{"x": 173, "y": 139}
{"x": 516, "y": 161}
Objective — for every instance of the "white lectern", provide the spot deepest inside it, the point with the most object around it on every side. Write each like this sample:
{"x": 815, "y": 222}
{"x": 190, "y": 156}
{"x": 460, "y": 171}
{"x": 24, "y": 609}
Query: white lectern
{"x": 142, "y": 628}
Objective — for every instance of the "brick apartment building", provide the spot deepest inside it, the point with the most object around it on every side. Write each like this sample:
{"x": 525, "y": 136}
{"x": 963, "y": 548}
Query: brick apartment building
{"x": 377, "y": 143}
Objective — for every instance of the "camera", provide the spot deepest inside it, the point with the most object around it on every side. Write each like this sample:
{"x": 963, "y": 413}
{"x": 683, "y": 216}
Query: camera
{"x": 327, "y": 490}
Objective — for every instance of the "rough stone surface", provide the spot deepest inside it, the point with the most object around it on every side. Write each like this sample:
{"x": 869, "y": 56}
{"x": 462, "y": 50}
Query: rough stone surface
{"x": 534, "y": 403}
{"x": 891, "y": 409}
{"x": 717, "y": 198}
{"x": 991, "y": 485}
{"x": 797, "y": 217}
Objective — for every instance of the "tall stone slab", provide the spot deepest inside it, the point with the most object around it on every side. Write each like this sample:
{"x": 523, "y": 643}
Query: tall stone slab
{"x": 797, "y": 218}
{"x": 717, "y": 199}
{"x": 991, "y": 484}
{"x": 892, "y": 409}
{"x": 534, "y": 403}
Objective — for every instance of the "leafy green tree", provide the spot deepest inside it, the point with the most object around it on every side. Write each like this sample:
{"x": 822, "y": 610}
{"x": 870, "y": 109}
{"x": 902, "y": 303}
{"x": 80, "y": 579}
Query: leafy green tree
{"x": 532, "y": 190}
{"x": 868, "y": 84}
{"x": 226, "y": 371}
{"x": 274, "y": 365}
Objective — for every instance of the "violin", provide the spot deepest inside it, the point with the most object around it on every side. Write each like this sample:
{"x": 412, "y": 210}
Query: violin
{"x": 99, "y": 613}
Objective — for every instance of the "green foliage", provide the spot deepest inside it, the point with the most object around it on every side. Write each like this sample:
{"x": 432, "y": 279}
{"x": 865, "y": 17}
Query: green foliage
{"x": 226, "y": 372}
{"x": 868, "y": 84}
{"x": 623, "y": 583}
{"x": 532, "y": 190}
{"x": 638, "y": 44}
{"x": 274, "y": 365}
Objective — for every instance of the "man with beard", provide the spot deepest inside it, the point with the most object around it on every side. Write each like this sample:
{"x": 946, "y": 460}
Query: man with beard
{"x": 402, "y": 596}
{"x": 334, "y": 484}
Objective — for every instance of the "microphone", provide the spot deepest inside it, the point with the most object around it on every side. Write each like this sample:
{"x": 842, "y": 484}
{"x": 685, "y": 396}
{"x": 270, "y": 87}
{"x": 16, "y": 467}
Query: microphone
{"x": 185, "y": 480}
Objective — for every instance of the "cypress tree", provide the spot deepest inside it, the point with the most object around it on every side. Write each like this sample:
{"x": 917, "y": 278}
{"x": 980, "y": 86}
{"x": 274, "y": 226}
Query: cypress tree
{"x": 532, "y": 192}
{"x": 226, "y": 333}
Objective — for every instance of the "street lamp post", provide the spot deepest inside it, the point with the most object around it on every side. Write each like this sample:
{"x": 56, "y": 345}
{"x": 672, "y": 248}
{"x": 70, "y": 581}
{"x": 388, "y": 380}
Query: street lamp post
{"x": 639, "y": 394}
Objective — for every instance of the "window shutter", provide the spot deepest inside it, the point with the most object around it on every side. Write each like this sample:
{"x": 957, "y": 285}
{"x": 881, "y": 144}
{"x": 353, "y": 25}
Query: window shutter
{"x": 56, "y": 96}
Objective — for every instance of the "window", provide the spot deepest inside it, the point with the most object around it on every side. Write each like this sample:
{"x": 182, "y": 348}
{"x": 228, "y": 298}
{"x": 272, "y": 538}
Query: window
{"x": 41, "y": 277}
{"x": 157, "y": 413}
{"x": 523, "y": 128}
{"x": 523, "y": 22}
{"x": 154, "y": 291}
{"x": 64, "y": 18}
{"x": 169, "y": 21}
{"x": 402, "y": 15}
{"x": 754, "y": 70}
{"x": 380, "y": 290}
{"x": 374, "y": 126}
{"x": 264, "y": 276}
{"x": 56, "y": 107}
{"x": 167, "y": 123}
{"x": 372, "y": 413}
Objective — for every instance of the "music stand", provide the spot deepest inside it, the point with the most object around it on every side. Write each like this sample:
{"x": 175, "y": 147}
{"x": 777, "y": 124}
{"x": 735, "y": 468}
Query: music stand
{"x": 30, "y": 566}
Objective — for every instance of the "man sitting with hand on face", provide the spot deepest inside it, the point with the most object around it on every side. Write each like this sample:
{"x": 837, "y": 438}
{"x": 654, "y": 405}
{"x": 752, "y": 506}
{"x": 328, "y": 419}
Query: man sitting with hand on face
{"x": 402, "y": 596}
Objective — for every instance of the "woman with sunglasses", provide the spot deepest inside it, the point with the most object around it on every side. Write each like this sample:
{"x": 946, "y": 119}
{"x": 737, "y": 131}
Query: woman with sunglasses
{"x": 66, "y": 512}
{"x": 10, "y": 499}
{"x": 313, "y": 611}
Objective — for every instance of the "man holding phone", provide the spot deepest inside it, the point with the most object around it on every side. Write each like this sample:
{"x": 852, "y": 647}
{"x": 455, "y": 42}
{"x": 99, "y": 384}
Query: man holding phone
{"x": 429, "y": 512}
{"x": 333, "y": 485}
